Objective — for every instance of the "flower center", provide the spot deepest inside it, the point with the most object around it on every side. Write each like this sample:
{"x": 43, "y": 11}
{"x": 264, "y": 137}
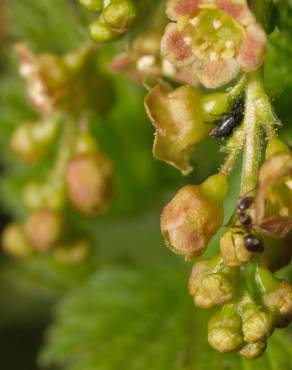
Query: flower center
{"x": 213, "y": 33}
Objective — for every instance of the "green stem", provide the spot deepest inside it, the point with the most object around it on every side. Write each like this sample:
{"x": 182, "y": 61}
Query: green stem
{"x": 252, "y": 126}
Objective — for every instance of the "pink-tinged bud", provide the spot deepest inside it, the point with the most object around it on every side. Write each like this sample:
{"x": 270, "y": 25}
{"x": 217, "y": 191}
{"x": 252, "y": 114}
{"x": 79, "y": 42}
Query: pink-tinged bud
{"x": 216, "y": 38}
{"x": 89, "y": 183}
{"x": 44, "y": 228}
{"x": 179, "y": 122}
{"x": 273, "y": 204}
{"x": 193, "y": 216}
{"x": 15, "y": 242}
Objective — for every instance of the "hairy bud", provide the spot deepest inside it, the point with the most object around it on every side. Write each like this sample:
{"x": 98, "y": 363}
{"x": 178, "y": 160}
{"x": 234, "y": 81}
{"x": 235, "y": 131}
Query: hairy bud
{"x": 89, "y": 183}
{"x": 193, "y": 216}
{"x": 224, "y": 330}
{"x": 44, "y": 228}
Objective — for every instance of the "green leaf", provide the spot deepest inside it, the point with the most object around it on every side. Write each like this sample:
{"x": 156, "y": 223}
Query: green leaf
{"x": 142, "y": 319}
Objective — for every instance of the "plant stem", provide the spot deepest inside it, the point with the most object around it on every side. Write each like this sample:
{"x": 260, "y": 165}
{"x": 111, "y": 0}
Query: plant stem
{"x": 252, "y": 151}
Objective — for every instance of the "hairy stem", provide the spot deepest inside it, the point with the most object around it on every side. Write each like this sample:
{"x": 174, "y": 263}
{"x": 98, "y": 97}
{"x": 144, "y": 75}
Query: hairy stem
{"x": 254, "y": 133}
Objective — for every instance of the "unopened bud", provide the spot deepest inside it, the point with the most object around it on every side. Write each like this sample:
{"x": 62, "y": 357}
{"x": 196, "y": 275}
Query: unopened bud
{"x": 224, "y": 330}
{"x": 92, "y": 4}
{"x": 276, "y": 145}
{"x": 257, "y": 325}
{"x": 214, "y": 106}
{"x": 100, "y": 32}
{"x": 89, "y": 183}
{"x": 279, "y": 300}
{"x": 120, "y": 15}
{"x": 232, "y": 248}
{"x": 253, "y": 350}
{"x": 15, "y": 242}
{"x": 193, "y": 216}
{"x": 44, "y": 228}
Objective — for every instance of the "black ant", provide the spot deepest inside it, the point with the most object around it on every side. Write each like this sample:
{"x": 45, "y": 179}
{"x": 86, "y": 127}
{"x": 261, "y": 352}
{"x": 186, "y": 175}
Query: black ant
{"x": 251, "y": 242}
{"x": 230, "y": 121}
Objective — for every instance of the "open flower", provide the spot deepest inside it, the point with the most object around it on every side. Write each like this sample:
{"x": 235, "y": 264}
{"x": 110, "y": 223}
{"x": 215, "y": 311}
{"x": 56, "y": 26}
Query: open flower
{"x": 218, "y": 38}
{"x": 273, "y": 202}
{"x": 193, "y": 216}
{"x": 143, "y": 58}
{"x": 178, "y": 118}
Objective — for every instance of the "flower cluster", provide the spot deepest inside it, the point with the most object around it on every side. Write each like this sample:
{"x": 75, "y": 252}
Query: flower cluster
{"x": 115, "y": 19}
{"x": 82, "y": 174}
{"x": 216, "y": 40}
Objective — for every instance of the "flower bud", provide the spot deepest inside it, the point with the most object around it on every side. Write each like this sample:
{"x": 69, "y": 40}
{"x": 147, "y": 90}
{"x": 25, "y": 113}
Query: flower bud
{"x": 88, "y": 182}
{"x": 15, "y": 242}
{"x": 232, "y": 248}
{"x": 273, "y": 203}
{"x": 257, "y": 325}
{"x": 48, "y": 195}
{"x": 275, "y": 145}
{"x": 193, "y": 216}
{"x": 178, "y": 119}
{"x": 211, "y": 283}
{"x": 72, "y": 254}
{"x": 214, "y": 106}
{"x": 253, "y": 350}
{"x": 224, "y": 330}
{"x": 119, "y": 15}
{"x": 92, "y": 4}
{"x": 30, "y": 140}
{"x": 85, "y": 144}
{"x": 100, "y": 32}
{"x": 43, "y": 228}
{"x": 279, "y": 301}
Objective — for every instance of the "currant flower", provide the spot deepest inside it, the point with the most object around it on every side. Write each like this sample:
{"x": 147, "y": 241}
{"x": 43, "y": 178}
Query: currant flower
{"x": 178, "y": 118}
{"x": 88, "y": 179}
{"x": 193, "y": 216}
{"x": 218, "y": 38}
{"x": 273, "y": 203}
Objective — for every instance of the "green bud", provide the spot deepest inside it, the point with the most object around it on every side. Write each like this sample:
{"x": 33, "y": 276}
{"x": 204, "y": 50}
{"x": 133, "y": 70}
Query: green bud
{"x": 275, "y": 145}
{"x": 30, "y": 140}
{"x": 85, "y": 144}
{"x": 15, "y": 242}
{"x": 253, "y": 350}
{"x": 215, "y": 187}
{"x": 100, "y": 32}
{"x": 92, "y": 4}
{"x": 279, "y": 301}
{"x": 119, "y": 16}
{"x": 214, "y": 106}
{"x": 224, "y": 330}
{"x": 257, "y": 325}
{"x": 217, "y": 287}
